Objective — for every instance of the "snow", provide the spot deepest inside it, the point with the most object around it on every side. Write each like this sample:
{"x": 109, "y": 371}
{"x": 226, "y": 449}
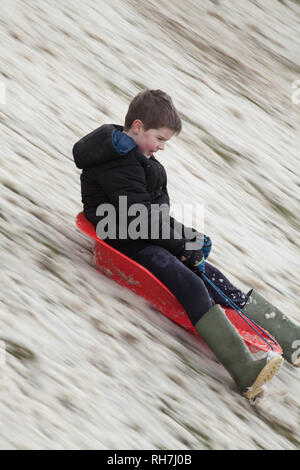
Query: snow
{"x": 87, "y": 363}
{"x": 270, "y": 315}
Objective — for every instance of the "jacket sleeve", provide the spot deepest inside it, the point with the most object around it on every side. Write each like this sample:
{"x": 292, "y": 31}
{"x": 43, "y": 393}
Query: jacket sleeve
{"x": 126, "y": 179}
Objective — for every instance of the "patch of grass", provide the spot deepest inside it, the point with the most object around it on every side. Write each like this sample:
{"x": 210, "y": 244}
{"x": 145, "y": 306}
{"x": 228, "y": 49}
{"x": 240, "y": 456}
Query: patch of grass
{"x": 20, "y": 352}
{"x": 228, "y": 154}
{"x": 195, "y": 432}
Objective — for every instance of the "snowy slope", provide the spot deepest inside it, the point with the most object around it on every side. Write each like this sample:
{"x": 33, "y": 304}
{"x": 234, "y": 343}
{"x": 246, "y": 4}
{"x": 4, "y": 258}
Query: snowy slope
{"x": 87, "y": 364}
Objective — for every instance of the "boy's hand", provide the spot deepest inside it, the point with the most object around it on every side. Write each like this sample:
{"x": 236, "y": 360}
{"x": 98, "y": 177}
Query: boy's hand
{"x": 193, "y": 258}
{"x": 201, "y": 266}
{"x": 206, "y": 246}
{"x": 204, "y": 243}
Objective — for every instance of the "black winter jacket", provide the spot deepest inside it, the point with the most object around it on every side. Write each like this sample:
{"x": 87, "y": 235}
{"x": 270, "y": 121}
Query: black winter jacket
{"x": 106, "y": 175}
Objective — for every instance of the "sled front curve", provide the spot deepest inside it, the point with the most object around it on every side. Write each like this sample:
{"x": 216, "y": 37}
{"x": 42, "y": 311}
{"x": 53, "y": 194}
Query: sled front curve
{"x": 135, "y": 277}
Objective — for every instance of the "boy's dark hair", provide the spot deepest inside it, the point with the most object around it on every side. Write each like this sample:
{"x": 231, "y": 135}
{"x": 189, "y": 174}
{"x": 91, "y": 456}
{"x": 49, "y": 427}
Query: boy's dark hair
{"x": 155, "y": 109}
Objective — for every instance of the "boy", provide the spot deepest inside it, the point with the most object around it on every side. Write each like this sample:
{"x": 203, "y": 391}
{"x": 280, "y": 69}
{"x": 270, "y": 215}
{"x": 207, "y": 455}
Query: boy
{"x": 118, "y": 162}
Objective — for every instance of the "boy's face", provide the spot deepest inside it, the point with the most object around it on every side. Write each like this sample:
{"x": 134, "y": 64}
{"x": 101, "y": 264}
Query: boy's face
{"x": 149, "y": 141}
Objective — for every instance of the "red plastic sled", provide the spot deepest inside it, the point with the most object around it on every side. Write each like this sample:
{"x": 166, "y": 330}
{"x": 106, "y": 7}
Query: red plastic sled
{"x": 135, "y": 277}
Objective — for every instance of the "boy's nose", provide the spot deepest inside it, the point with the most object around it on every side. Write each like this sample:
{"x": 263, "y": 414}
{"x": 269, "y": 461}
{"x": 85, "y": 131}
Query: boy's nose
{"x": 161, "y": 146}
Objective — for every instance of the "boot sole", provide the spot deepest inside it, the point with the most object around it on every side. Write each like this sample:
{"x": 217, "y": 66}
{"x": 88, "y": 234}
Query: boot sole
{"x": 297, "y": 362}
{"x": 266, "y": 374}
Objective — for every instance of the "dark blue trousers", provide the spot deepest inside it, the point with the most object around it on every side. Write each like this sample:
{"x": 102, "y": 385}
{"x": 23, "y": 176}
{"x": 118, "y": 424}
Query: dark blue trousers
{"x": 195, "y": 294}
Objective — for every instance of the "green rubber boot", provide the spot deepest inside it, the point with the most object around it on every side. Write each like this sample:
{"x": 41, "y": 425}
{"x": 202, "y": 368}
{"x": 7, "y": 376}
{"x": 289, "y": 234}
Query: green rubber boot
{"x": 228, "y": 346}
{"x": 284, "y": 330}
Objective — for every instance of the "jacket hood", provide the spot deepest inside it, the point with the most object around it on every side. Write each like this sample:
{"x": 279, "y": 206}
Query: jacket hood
{"x": 96, "y": 147}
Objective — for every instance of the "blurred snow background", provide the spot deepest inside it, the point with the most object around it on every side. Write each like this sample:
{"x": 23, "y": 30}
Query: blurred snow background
{"x": 86, "y": 363}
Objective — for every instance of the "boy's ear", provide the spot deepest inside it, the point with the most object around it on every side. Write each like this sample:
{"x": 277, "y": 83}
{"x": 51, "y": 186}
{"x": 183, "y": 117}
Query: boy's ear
{"x": 137, "y": 126}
